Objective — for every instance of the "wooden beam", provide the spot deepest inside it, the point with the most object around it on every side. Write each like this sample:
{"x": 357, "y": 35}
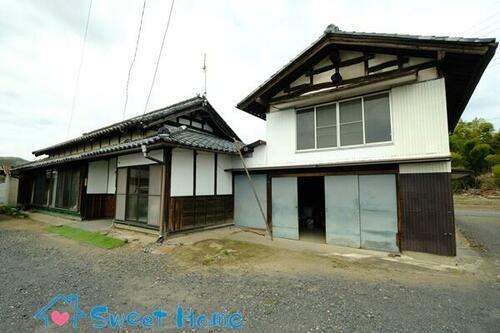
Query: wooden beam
{"x": 397, "y": 62}
{"x": 363, "y": 80}
{"x": 215, "y": 172}
{"x": 340, "y": 64}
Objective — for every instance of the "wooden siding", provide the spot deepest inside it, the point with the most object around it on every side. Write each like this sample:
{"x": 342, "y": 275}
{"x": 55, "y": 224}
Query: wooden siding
{"x": 428, "y": 223}
{"x": 99, "y": 206}
{"x": 194, "y": 212}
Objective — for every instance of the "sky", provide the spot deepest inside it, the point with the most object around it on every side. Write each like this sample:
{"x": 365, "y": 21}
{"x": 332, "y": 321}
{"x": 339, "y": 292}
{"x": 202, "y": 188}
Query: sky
{"x": 245, "y": 42}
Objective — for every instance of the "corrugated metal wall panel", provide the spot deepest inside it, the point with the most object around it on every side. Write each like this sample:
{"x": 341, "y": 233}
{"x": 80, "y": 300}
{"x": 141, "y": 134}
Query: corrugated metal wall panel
{"x": 342, "y": 211}
{"x": 428, "y": 223}
{"x": 246, "y": 209}
{"x": 431, "y": 167}
{"x": 285, "y": 213}
{"x": 420, "y": 125}
{"x": 378, "y": 212}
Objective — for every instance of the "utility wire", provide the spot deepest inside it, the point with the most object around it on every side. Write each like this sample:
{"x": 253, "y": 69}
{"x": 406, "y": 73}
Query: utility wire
{"x": 159, "y": 57}
{"x": 77, "y": 84}
{"x": 133, "y": 60}
{"x": 473, "y": 27}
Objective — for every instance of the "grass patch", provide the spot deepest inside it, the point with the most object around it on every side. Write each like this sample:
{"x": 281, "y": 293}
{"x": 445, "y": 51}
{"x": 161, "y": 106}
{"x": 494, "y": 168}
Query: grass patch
{"x": 92, "y": 238}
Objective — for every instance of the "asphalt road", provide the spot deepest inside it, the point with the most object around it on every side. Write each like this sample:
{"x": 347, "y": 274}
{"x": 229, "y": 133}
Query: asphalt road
{"x": 483, "y": 226}
{"x": 36, "y": 266}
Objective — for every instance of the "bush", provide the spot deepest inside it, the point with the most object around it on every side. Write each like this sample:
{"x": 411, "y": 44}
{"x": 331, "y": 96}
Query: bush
{"x": 12, "y": 211}
{"x": 496, "y": 174}
{"x": 486, "y": 182}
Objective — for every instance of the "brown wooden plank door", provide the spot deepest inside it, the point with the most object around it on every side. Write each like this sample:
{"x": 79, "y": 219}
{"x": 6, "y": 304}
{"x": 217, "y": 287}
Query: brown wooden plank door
{"x": 428, "y": 222}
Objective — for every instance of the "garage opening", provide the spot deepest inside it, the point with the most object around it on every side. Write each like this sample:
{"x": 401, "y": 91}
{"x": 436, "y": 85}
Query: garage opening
{"x": 311, "y": 206}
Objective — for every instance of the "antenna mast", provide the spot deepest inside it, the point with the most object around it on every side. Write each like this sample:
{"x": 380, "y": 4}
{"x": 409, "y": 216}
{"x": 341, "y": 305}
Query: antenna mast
{"x": 204, "y": 68}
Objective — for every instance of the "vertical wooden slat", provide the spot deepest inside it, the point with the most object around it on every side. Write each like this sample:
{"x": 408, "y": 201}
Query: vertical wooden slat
{"x": 427, "y": 213}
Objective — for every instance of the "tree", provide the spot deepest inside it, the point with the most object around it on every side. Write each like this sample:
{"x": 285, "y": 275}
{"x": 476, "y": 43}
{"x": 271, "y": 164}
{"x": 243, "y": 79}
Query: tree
{"x": 475, "y": 145}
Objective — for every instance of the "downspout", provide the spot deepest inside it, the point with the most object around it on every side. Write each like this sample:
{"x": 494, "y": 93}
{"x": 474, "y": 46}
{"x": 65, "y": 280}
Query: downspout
{"x": 161, "y": 233}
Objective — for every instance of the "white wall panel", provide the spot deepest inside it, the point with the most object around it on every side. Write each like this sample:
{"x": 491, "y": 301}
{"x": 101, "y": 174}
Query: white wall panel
{"x": 420, "y": 125}
{"x": 139, "y": 159}
{"x": 224, "y": 178}
{"x": 205, "y": 173}
{"x": 97, "y": 179}
{"x": 112, "y": 176}
{"x": 181, "y": 183}
{"x": 419, "y": 130}
{"x": 430, "y": 167}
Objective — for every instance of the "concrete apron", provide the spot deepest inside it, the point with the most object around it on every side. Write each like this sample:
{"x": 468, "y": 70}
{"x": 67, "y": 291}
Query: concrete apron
{"x": 93, "y": 226}
{"x": 467, "y": 259}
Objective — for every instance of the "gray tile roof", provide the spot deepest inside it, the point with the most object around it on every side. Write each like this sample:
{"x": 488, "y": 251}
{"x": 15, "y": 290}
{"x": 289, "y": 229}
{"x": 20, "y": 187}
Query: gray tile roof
{"x": 188, "y": 138}
{"x": 332, "y": 29}
{"x": 128, "y": 123}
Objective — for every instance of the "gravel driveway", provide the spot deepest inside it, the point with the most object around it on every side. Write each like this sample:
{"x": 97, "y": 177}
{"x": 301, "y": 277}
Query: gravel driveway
{"x": 35, "y": 266}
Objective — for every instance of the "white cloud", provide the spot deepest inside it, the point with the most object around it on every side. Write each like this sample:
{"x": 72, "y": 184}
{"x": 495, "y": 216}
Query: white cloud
{"x": 245, "y": 42}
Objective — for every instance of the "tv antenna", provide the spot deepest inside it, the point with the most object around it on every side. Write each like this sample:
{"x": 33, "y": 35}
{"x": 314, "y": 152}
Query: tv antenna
{"x": 204, "y": 69}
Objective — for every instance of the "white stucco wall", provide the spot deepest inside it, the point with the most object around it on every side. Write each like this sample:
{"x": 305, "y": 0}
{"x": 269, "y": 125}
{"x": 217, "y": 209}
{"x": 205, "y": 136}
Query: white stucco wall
{"x": 181, "y": 183}
{"x": 419, "y": 130}
{"x": 101, "y": 178}
{"x": 97, "y": 179}
{"x": 139, "y": 159}
{"x": 112, "y": 176}
{"x": 205, "y": 173}
{"x": 224, "y": 178}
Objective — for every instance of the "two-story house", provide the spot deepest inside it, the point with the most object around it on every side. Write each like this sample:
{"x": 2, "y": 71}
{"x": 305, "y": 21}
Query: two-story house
{"x": 357, "y": 152}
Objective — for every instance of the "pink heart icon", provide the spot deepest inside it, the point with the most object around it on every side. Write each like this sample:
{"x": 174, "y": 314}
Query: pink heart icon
{"x": 59, "y": 318}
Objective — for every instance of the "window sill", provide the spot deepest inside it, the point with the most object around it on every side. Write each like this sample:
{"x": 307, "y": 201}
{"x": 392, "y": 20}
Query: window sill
{"x": 367, "y": 145}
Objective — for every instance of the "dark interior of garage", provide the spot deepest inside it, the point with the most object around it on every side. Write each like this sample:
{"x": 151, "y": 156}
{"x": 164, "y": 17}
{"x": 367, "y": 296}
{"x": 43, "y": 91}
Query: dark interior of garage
{"x": 311, "y": 200}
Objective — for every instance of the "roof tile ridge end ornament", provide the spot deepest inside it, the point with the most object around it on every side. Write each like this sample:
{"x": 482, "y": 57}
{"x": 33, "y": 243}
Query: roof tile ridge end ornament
{"x": 165, "y": 133}
{"x": 331, "y": 29}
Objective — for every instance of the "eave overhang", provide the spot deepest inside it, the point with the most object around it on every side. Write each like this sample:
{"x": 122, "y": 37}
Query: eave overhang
{"x": 464, "y": 62}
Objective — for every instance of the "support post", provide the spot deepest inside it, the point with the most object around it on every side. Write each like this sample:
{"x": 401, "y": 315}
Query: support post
{"x": 268, "y": 227}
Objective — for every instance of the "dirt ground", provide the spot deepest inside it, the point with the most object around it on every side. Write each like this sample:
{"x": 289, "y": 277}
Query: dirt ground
{"x": 275, "y": 290}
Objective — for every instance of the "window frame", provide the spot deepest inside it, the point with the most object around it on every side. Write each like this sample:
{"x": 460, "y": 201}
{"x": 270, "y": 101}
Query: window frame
{"x": 337, "y": 113}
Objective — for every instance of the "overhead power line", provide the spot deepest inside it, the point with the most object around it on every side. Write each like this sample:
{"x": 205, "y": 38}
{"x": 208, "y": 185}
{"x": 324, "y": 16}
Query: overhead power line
{"x": 473, "y": 28}
{"x": 77, "y": 84}
{"x": 159, "y": 56}
{"x": 133, "y": 60}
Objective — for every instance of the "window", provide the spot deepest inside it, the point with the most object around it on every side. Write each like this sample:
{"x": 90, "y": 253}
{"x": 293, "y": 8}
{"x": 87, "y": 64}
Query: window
{"x": 377, "y": 118}
{"x": 305, "y": 129}
{"x": 353, "y": 122}
{"x": 326, "y": 126}
{"x": 137, "y": 194}
{"x": 68, "y": 188}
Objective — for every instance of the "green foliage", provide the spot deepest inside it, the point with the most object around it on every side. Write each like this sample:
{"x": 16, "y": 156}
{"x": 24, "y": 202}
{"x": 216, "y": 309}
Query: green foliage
{"x": 475, "y": 146}
{"x": 12, "y": 211}
{"x": 493, "y": 159}
{"x": 477, "y": 158}
{"x": 457, "y": 160}
{"x": 496, "y": 174}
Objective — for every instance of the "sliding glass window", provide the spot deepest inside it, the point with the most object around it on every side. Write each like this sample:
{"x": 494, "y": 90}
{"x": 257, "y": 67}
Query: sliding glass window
{"x": 352, "y": 122}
